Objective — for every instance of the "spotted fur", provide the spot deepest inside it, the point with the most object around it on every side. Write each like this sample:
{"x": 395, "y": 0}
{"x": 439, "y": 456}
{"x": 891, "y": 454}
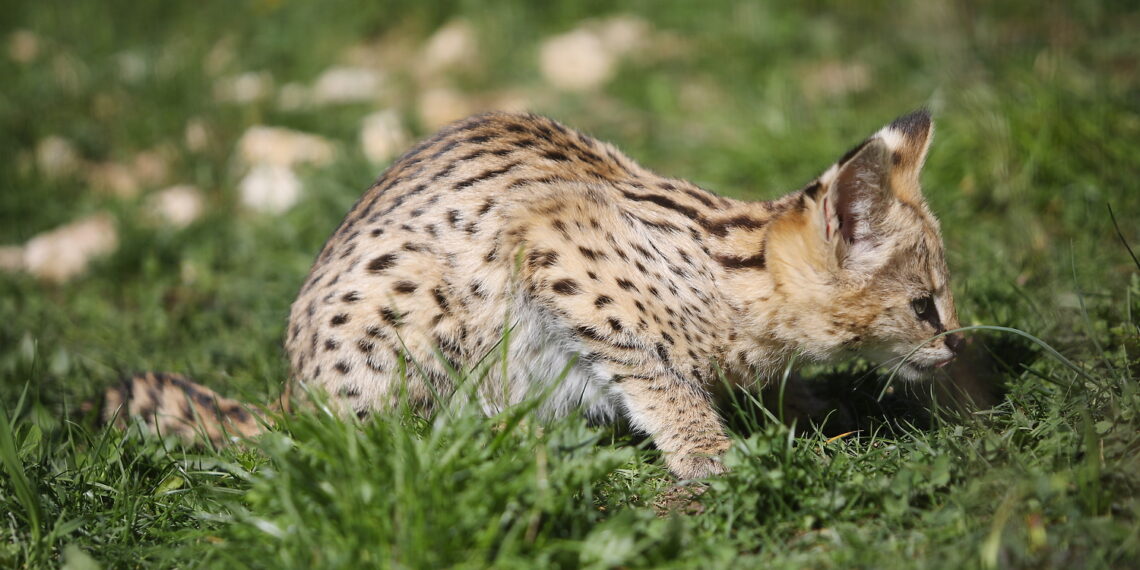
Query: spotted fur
{"x": 616, "y": 291}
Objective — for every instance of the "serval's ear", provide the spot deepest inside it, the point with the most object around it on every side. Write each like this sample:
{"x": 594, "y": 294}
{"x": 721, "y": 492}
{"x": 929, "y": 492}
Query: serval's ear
{"x": 859, "y": 193}
{"x": 859, "y": 190}
{"x": 908, "y": 139}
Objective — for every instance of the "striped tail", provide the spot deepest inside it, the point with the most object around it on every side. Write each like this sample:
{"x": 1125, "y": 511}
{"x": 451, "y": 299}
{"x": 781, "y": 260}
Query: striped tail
{"x": 169, "y": 404}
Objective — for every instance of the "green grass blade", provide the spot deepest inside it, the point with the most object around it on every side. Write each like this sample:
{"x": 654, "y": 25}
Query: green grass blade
{"x": 18, "y": 478}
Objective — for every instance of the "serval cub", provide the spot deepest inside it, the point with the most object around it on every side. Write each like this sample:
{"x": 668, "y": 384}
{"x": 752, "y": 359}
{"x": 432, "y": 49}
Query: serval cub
{"x": 620, "y": 292}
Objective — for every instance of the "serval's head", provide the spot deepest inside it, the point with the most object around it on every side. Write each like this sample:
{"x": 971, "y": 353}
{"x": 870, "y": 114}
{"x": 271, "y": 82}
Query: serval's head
{"x": 875, "y": 277}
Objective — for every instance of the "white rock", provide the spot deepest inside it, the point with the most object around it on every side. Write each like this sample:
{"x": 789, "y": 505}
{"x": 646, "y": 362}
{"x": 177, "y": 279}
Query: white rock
{"x": 576, "y": 61}
{"x": 65, "y": 252}
{"x": 23, "y": 46}
{"x": 383, "y": 136}
{"x": 132, "y": 66}
{"x": 347, "y": 85}
{"x": 442, "y": 105}
{"x": 623, "y": 34}
{"x": 56, "y": 157}
{"x": 270, "y": 188}
{"x": 247, "y": 87}
{"x": 113, "y": 178}
{"x": 178, "y": 206}
{"x": 151, "y": 167}
{"x": 293, "y": 96}
{"x": 449, "y": 47}
{"x": 221, "y": 55}
{"x": 283, "y": 147}
{"x": 197, "y": 135}
{"x": 11, "y": 258}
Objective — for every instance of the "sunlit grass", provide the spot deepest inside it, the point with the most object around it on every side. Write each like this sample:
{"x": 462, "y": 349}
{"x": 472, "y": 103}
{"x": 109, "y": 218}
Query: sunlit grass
{"x": 1036, "y": 135}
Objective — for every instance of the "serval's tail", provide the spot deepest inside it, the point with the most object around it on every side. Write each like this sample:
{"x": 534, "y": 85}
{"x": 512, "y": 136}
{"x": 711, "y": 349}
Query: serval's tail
{"x": 169, "y": 404}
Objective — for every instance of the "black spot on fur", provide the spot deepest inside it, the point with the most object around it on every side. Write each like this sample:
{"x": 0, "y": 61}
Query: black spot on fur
{"x": 338, "y": 320}
{"x": 486, "y": 207}
{"x": 391, "y": 317}
{"x": 590, "y": 333}
{"x": 476, "y": 288}
{"x": 381, "y": 263}
{"x": 348, "y": 250}
{"x": 655, "y": 224}
{"x": 440, "y": 299}
{"x": 473, "y": 155}
{"x": 665, "y": 202}
{"x": 561, "y": 227}
{"x": 486, "y": 175}
{"x": 602, "y": 301}
{"x": 342, "y": 367}
{"x": 701, "y": 196}
{"x": 756, "y": 261}
{"x": 405, "y": 287}
{"x": 566, "y": 287}
{"x": 445, "y": 171}
{"x": 351, "y": 297}
{"x": 591, "y": 254}
{"x": 542, "y": 258}
{"x": 720, "y": 227}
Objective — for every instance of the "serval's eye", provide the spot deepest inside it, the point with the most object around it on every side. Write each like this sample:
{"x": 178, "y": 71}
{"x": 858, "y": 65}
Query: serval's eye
{"x": 924, "y": 308}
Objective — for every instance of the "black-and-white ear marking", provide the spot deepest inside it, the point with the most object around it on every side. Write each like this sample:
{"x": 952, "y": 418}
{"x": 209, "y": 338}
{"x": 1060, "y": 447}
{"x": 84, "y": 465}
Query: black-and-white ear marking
{"x": 860, "y": 186}
{"x": 908, "y": 138}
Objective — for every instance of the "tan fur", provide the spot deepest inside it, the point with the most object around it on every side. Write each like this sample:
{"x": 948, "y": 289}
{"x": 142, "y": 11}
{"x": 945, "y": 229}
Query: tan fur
{"x": 169, "y": 404}
{"x": 636, "y": 288}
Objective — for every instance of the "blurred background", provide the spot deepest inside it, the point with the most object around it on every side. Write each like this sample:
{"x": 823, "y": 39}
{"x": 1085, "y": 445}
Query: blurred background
{"x": 168, "y": 170}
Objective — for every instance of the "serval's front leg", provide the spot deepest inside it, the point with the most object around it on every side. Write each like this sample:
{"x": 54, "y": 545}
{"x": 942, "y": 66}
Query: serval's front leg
{"x": 679, "y": 415}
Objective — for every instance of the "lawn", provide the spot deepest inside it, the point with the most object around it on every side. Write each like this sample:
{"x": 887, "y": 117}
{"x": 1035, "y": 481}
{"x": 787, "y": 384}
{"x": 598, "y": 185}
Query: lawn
{"x": 106, "y": 106}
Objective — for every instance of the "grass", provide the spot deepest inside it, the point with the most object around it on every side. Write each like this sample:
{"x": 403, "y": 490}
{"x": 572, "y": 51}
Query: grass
{"x": 1037, "y": 137}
